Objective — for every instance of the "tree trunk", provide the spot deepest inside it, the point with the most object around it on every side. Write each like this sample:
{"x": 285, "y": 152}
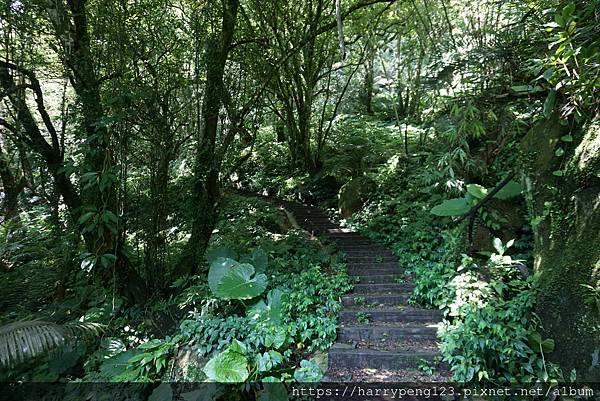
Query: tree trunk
{"x": 367, "y": 95}
{"x": 567, "y": 244}
{"x": 205, "y": 190}
{"x": 72, "y": 29}
{"x": 10, "y": 186}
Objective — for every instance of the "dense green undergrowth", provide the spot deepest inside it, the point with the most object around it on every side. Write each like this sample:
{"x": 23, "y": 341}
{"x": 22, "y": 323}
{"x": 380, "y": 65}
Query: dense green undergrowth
{"x": 279, "y": 334}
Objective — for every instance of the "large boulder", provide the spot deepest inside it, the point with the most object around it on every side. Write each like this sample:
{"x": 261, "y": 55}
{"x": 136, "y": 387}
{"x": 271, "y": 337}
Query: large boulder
{"x": 353, "y": 195}
{"x": 567, "y": 243}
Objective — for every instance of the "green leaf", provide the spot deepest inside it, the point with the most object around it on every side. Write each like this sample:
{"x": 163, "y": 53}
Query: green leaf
{"x": 477, "y": 191}
{"x": 526, "y": 88}
{"x": 510, "y": 190}
{"x": 573, "y": 375}
{"x": 566, "y": 138}
{"x": 218, "y": 268}
{"x": 238, "y": 347}
{"x": 548, "y": 345}
{"x": 549, "y": 104}
{"x": 118, "y": 364}
{"x": 229, "y": 279}
{"x": 558, "y": 173}
{"x": 559, "y": 152}
{"x": 230, "y": 366}
{"x": 256, "y": 310}
{"x": 452, "y": 207}
{"x": 548, "y": 74}
{"x": 308, "y": 372}
{"x": 270, "y": 312}
{"x": 498, "y": 246}
{"x": 238, "y": 283}
{"x": 85, "y": 217}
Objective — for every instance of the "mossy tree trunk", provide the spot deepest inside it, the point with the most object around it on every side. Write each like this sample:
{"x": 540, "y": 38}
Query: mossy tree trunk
{"x": 567, "y": 240}
{"x": 206, "y": 188}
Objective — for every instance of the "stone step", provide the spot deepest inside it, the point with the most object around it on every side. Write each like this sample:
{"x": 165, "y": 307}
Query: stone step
{"x": 344, "y": 234}
{"x": 371, "y": 259}
{"x": 320, "y": 229}
{"x": 315, "y": 220}
{"x": 372, "y": 265}
{"x": 381, "y": 279}
{"x": 306, "y": 212}
{"x": 362, "y": 247}
{"x": 374, "y": 271}
{"x": 392, "y": 289}
{"x": 421, "y": 331}
{"x": 358, "y": 243}
{"x": 389, "y": 314}
{"x": 357, "y": 300}
{"x": 342, "y": 356}
{"x": 368, "y": 253}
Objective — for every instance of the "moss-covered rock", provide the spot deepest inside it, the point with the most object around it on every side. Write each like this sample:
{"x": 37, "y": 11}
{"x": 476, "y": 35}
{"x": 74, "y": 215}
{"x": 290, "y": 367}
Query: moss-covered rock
{"x": 353, "y": 194}
{"x": 567, "y": 240}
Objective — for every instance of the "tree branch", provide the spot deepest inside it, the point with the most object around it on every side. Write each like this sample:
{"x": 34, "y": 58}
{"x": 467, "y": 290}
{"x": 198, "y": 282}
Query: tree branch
{"x": 489, "y": 196}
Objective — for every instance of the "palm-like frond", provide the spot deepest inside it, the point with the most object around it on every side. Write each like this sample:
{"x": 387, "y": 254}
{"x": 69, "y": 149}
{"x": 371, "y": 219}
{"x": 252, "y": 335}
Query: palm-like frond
{"x": 20, "y": 341}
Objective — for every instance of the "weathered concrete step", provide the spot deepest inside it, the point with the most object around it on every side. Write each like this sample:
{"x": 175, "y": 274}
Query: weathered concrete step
{"x": 343, "y": 234}
{"x": 374, "y": 271}
{"x": 359, "y": 243}
{"x": 371, "y": 259}
{"x": 306, "y": 212}
{"x": 383, "y": 289}
{"x": 366, "y": 253}
{"x": 425, "y": 331}
{"x": 362, "y": 247}
{"x": 357, "y": 300}
{"x": 344, "y": 357}
{"x": 381, "y": 279}
{"x": 317, "y": 229}
{"x": 389, "y": 315}
{"x": 314, "y": 219}
{"x": 372, "y": 265}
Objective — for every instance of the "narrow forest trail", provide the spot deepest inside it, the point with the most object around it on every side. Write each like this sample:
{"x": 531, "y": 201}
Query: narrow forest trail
{"x": 380, "y": 337}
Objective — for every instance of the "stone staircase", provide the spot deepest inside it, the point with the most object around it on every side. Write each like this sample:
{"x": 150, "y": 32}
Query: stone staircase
{"x": 378, "y": 331}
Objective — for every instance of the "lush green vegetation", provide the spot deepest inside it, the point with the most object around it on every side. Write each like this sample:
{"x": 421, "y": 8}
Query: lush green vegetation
{"x": 138, "y": 141}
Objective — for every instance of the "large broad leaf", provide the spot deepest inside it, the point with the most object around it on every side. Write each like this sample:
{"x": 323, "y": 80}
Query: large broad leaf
{"x": 452, "y": 207}
{"x": 477, "y": 191}
{"x": 271, "y": 310}
{"x": 230, "y": 366}
{"x": 229, "y": 279}
{"x": 218, "y": 268}
{"x": 510, "y": 190}
{"x": 239, "y": 282}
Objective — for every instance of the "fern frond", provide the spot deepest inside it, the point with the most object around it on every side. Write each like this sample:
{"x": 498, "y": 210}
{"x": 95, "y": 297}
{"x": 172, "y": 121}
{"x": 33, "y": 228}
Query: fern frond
{"x": 20, "y": 341}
